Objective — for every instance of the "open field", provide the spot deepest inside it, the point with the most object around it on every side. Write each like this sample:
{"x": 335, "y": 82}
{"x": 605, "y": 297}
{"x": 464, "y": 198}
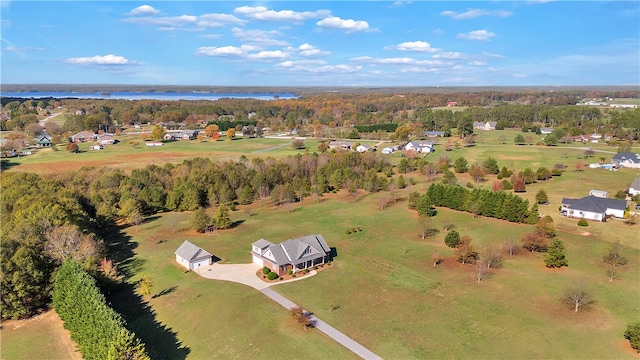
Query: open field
{"x": 390, "y": 297}
{"x": 37, "y": 338}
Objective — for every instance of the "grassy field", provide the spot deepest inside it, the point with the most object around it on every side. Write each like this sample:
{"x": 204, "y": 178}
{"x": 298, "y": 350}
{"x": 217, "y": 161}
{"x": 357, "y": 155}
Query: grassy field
{"x": 388, "y": 295}
{"x": 390, "y": 298}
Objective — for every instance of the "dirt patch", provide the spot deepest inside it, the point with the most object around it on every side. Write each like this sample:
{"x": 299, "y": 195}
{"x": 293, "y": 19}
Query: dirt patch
{"x": 626, "y": 345}
{"x": 554, "y": 309}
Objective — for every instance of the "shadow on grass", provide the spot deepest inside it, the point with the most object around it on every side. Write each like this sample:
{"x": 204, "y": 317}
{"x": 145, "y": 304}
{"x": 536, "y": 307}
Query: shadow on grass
{"x": 333, "y": 253}
{"x": 161, "y": 342}
{"x": 236, "y": 224}
{"x": 165, "y": 292}
{"x": 6, "y": 164}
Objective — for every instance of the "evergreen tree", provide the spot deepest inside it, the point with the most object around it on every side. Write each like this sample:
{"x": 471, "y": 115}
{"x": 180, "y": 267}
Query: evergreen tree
{"x": 541, "y": 197}
{"x": 401, "y": 182}
{"x": 452, "y": 239}
{"x": 556, "y": 257}
{"x": 491, "y": 165}
{"x": 222, "y": 220}
{"x": 633, "y": 335}
{"x": 460, "y": 165}
{"x": 200, "y": 220}
{"x": 533, "y": 214}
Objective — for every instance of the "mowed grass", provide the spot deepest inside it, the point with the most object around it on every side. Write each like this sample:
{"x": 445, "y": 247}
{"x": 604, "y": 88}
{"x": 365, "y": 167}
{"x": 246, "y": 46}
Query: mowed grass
{"x": 388, "y": 295}
{"x": 126, "y": 157}
{"x": 41, "y": 337}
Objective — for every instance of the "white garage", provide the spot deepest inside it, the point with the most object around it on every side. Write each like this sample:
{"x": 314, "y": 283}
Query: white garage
{"x": 192, "y": 257}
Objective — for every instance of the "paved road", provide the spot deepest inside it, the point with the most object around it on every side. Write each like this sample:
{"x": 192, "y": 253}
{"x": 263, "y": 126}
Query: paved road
{"x": 246, "y": 274}
{"x": 329, "y": 330}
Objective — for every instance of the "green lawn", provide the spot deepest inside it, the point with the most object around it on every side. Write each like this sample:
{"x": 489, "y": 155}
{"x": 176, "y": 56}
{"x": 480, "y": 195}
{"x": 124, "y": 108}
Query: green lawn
{"x": 390, "y": 297}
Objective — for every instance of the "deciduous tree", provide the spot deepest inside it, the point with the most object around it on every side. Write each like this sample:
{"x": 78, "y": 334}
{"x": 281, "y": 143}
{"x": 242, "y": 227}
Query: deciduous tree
{"x": 577, "y": 297}
{"x": 464, "y": 251}
{"x": 158, "y": 132}
{"x": 614, "y": 256}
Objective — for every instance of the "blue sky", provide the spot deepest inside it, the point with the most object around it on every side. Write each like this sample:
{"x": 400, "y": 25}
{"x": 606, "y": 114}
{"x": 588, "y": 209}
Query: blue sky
{"x": 326, "y": 43}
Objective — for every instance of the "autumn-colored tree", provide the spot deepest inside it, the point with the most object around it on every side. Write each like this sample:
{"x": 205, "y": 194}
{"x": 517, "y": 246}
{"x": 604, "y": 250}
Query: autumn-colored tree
{"x": 464, "y": 251}
{"x": 231, "y": 133}
{"x": 497, "y": 185}
{"x": 301, "y": 317}
{"x": 518, "y": 185}
{"x": 146, "y": 286}
{"x": 67, "y": 242}
{"x": 211, "y": 129}
{"x": 579, "y": 166}
{"x": 158, "y": 132}
{"x": 546, "y": 227}
{"x": 73, "y": 147}
{"x": 577, "y": 297}
{"x": 323, "y": 147}
{"x": 535, "y": 241}
{"x": 477, "y": 172}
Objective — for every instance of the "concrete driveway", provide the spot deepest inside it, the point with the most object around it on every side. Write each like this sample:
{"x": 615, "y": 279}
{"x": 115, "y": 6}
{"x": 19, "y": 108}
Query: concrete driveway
{"x": 241, "y": 273}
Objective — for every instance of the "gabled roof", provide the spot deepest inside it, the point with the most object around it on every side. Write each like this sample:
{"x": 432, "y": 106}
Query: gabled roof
{"x": 293, "y": 251}
{"x": 626, "y": 155}
{"x": 262, "y": 244}
{"x": 84, "y": 134}
{"x": 635, "y": 184}
{"x": 420, "y": 144}
{"x": 191, "y": 252}
{"x": 594, "y": 204}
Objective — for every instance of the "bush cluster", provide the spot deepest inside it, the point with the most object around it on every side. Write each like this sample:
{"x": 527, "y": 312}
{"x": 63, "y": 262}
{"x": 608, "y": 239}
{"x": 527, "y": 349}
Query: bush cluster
{"x": 266, "y": 270}
{"x": 583, "y": 222}
{"x": 272, "y": 276}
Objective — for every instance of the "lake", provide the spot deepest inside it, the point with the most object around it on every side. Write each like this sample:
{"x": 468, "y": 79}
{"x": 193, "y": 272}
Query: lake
{"x": 146, "y": 95}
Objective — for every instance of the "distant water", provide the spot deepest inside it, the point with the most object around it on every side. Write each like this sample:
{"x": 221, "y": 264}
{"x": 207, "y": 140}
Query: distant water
{"x": 146, "y": 95}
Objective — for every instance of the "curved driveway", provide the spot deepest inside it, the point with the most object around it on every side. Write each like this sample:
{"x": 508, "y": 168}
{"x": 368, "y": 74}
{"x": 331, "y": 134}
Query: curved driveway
{"x": 246, "y": 274}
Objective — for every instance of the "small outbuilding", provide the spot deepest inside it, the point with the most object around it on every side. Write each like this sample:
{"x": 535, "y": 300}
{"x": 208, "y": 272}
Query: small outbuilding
{"x": 192, "y": 256}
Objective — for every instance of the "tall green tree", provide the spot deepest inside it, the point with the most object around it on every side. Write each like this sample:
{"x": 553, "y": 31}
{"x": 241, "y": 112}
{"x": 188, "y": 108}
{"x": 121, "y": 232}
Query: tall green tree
{"x": 222, "y": 219}
{"x": 200, "y": 220}
{"x": 460, "y": 165}
{"x": 452, "y": 239}
{"x": 555, "y": 256}
{"x": 541, "y": 197}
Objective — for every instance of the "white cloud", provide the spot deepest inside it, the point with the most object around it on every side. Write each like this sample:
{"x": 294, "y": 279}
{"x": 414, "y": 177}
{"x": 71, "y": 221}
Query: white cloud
{"x": 318, "y": 66}
{"x": 259, "y": 37}
{"x": 268, "y": 55}
{"x": 264, "y": 14}
{"x": 480, "y": 35}
{"x": 477, "y": 63}
{"x": 25, "y": 48}
{"x": 415, "y": 46}
{"x": 399, "y": 3}
{"x": 448, "y": 55}
{"x": 348, "y": 25}
{"x": 397, "y": 61}
{"x": 308, "y": 50}
{"x": 474, "y": 13}
{"x": 225, "y": 50}
{"x": 144, "y": 10}
{"x": 101, "y": 60}
{"x": 218, "y": 20}
{"x": 168, "y": 21}
{"x": 495, "y": 56}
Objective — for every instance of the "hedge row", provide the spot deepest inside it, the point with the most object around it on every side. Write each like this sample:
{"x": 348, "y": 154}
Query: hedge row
{"x": 376, "y": 127}
{"x": 98, "y": 330}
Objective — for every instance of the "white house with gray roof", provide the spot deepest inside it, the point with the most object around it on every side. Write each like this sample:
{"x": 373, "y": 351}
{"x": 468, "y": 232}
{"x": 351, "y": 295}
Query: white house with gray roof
{"x": 634, "y": 188}
{"x": 294, "y": 254}
{"x": 593, "y": 208}
{"x": 192, "y": 256}
{"x": 626, "y": 159}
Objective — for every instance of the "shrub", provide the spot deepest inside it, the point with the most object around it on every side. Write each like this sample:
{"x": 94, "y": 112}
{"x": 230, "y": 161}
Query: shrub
{"x": 306, "y": 271}
{"x": 633, "y": 335}
{"x": 294, "y": 275}
{"x": 290, "y": 272}
{"x": 266, "y": 270}
{"x": 358, "y": 228}
{"x": 315, "y": 267}
{"x": 281, "y": 278}
{"x": 347, "y": 231}
{"x": 272, "y": 276}
{"x": 469, "y": 185}
{"x": 583, "y": 222}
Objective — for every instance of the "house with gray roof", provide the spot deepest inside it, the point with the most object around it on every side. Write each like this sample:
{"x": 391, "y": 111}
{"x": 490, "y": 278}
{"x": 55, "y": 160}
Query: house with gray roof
{"x": 83, "y": 136}
{"x": 192, "y": 257}
{"x": 593, "y": 208}
{"x": 626, "y": 159}
{"x": 294, "y": 254}
{"x": 634, "y": 188}
{"x": 423, "y": 147}
{"x": 489, "y": 125}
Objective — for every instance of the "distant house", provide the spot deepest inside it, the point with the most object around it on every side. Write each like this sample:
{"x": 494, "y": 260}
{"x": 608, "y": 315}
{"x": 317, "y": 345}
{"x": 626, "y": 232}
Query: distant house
{"x": 546, "y": 130}
{"x": 192, "y": 257}
{"x": 489, "y": 125}
{"x": 626, "y": 159}
{"x": 634, "y": 188}
{"x": 387, "y": 151}
{"x": 181, "y": 135}
{"x": 593, "y": 208}
{"x": 599, "y": 193}
{"x": 44, "y": 140}
{"x": 340, "y": 145}
{"x": 106, "y": 139}
{"x": 97, "y": 147}
{"x": 424, "y": 147}
{"x": 295, "y": 254}
{"x": 452, "y": 103}
{"x": 153, "y": 143}
{"x": 363, "y": 148}
{"x": 83, "y": 136}
{"x": 434, "y": 133}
